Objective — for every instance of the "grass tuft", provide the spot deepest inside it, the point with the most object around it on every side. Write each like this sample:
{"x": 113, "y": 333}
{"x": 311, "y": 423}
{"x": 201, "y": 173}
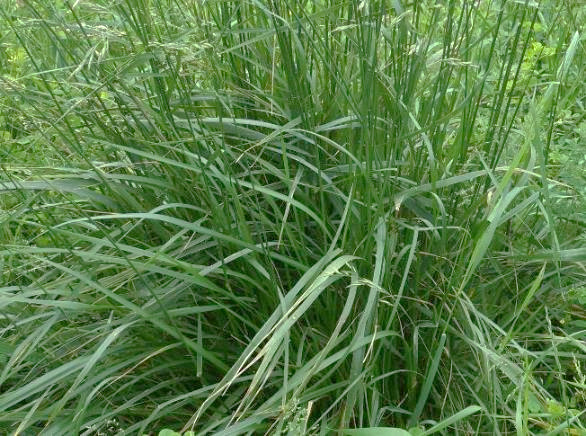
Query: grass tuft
{"x": 292, "y": 217}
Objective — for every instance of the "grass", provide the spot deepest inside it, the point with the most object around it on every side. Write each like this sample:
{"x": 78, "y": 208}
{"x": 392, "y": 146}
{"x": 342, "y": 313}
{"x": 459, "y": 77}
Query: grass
{"x": 292, "y": 217}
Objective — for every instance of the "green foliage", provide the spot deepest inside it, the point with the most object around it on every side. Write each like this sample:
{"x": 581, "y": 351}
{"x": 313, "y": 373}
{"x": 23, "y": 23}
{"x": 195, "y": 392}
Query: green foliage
{"x": 377, "y": 431}
{"x": 167, "y": 432}
{"x": 292, "y": 217}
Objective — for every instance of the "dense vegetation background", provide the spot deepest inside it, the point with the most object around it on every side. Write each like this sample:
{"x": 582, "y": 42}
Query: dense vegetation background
{"x": 292, "y": 217}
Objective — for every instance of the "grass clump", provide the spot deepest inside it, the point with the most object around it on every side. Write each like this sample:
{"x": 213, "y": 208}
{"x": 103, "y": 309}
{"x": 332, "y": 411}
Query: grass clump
{"x": 292, "y": 217}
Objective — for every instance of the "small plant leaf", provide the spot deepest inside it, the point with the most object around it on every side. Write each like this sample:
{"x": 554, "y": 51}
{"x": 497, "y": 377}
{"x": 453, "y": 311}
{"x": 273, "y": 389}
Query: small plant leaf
{"x": 453, "y": 419}
{"x": 168, "y": 432}
{"x": 377, "y": 431}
